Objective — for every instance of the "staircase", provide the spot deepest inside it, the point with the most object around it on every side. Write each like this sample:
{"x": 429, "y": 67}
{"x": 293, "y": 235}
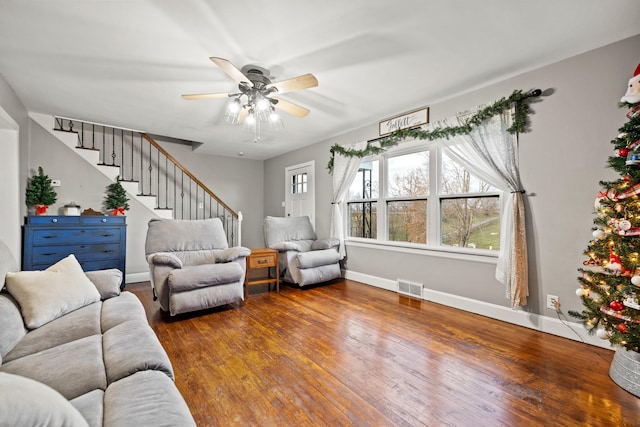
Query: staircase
{"x": 145, "y": 170}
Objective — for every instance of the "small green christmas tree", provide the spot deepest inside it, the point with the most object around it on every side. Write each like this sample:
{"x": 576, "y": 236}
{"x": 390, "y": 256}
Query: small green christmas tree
{"x": 39, "y": 190}
{"x": 116, "y": 198}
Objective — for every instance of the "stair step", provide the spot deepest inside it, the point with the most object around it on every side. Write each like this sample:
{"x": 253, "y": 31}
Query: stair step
{"x": 131, "y": 187}
{"x": 148, "y": 201}
{"x": 111, "y": 172}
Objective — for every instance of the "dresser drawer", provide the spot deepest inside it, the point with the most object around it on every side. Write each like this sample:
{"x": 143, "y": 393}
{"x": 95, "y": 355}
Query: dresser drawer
{"x": 76, "y": 235}
{"x": 52, "y": 254}
{"x": 51, "y": 220}
{"x": 86, "y": 265}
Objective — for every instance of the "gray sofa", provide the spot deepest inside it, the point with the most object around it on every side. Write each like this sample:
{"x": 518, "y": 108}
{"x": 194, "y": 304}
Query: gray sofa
{"x": 76, "y": 351}
{"x": 303, "y": 259}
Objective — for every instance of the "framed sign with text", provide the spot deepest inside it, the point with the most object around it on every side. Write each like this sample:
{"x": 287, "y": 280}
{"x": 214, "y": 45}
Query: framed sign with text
{"x": 405, "y": 121}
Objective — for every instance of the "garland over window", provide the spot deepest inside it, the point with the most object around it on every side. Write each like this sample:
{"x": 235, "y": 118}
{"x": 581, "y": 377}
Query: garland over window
{"x": 518, "y": 100}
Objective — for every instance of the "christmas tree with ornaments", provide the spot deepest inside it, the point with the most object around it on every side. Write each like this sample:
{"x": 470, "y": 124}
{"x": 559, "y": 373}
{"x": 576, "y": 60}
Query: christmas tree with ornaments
{"x": 610, "y": 276}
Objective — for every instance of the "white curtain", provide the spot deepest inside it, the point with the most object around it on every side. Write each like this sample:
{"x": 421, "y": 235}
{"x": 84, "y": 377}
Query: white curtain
{"x": 490, "y": 153}
{"x": 344, "y": 171}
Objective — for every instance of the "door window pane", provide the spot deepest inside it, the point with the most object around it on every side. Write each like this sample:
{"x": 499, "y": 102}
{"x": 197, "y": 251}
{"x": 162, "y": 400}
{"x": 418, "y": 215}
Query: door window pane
{"x": 299, "y": 183}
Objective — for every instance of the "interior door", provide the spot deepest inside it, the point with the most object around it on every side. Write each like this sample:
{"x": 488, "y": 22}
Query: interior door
{"x": 300, "y": 191}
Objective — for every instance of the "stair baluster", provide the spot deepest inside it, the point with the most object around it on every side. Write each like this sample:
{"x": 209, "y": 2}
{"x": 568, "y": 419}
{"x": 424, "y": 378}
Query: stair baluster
{"x": 179, "y": 185}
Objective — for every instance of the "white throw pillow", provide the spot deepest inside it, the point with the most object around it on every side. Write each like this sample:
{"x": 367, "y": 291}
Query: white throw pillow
{"x": 46, "y": 295}
{"x": 25, "y": 402}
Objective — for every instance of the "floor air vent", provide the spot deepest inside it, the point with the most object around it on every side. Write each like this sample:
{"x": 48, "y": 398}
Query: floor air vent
{"x": 411, "y": 289}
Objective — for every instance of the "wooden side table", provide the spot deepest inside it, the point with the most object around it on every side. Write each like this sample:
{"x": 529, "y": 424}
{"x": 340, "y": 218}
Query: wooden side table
{"x": 262, "y": 258}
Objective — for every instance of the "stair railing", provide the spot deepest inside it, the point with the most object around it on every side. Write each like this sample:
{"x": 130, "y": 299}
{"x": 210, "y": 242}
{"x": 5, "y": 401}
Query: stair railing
{"x": 141, "y": 159}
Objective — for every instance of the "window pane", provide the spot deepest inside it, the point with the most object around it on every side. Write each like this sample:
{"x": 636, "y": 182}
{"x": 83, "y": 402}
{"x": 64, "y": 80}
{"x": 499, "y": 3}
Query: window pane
{"x": 408, "y": 175}
{"x": 362, "y": 219}
{"x": 457, "y": 180}
{"x": 472, "y": 222}
{"x": 365, "y": 184}
{"x": 407, "y": 221}
{"x": 299, "y": 183}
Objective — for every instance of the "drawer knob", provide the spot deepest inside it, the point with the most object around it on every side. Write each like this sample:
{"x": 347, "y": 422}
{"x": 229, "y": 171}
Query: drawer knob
{"x": 104, "y": 219}
{"x": 54, "y": 220}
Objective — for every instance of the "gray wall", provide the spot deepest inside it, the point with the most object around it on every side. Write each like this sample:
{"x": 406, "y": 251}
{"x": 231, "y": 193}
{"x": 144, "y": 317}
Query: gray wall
{"x": 14, "y": 137}
{"x": 561, "y": 160}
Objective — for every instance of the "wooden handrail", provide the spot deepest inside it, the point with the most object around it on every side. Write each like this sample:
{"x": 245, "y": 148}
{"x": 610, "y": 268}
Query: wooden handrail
{"x": 189, "y": 174}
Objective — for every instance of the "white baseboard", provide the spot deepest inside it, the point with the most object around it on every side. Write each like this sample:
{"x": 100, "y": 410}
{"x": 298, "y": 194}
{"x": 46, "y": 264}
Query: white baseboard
{"x": 518, "y": 317}
{"x": 137, "y": 277}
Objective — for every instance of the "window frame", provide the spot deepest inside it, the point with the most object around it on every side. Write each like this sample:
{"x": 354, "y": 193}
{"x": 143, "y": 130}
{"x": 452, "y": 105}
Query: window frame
{"x": 434, "y": 200}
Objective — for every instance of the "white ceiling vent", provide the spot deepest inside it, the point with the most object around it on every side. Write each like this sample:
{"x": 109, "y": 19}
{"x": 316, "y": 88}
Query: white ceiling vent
{"x": 411, "y": 289}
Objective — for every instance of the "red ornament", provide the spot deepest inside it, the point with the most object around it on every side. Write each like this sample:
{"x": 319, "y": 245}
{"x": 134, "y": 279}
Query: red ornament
{"x": 616, "y": 306}
{"x": 627, "y": 178}
{"x": 623, "y": 152}
{"x": 622, "y": 328}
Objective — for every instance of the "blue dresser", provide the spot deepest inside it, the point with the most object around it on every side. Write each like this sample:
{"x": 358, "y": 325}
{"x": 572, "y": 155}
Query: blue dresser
{"x": 98, "y": 242}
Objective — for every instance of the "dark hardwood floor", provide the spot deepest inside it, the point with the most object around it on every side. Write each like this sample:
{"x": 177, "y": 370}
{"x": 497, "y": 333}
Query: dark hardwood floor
{"x": 347, "y": 354}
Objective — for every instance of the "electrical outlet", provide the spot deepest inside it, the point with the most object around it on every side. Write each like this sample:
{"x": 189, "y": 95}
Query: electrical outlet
{"x": 56, "y": 183}
{"x": 553, "y": 302}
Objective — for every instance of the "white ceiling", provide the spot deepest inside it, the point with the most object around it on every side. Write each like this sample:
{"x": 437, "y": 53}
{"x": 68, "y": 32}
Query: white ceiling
{"x": 126, "y": 62}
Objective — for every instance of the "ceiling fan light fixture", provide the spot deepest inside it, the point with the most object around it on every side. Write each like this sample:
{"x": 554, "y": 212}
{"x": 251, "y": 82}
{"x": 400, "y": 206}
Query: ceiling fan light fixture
{"x": 251, "y": 118}
{"x": 262, "y": 104}
{"x": 234, "y": 106}
{"x": 232, "y": 114}
{"x": 275, "y": 121}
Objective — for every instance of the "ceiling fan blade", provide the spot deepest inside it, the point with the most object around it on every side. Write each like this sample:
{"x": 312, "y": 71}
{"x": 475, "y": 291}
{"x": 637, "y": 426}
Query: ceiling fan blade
{"x": 304, "y": 81}
{"x": 291, "y": 108}
{"x": 195, "y": 96}
{"x": 231, "y": 70}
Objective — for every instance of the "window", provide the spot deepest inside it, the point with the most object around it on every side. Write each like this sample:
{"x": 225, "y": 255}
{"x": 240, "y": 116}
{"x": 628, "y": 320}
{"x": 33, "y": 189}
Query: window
{"x": 362, "y": 206}
{"x": 428, "y": 199}
{"x": 407, "y": 191}
{"x": 299, "y": 183}
{"x": 469, "y": 209}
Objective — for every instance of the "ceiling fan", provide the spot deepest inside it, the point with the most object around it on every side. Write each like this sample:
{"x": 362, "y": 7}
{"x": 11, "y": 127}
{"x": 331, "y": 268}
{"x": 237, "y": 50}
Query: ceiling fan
{"x": 255, "y": 100}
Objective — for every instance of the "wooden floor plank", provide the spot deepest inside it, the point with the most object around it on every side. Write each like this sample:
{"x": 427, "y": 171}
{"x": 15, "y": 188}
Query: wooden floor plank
{"x": 348, "y": 354}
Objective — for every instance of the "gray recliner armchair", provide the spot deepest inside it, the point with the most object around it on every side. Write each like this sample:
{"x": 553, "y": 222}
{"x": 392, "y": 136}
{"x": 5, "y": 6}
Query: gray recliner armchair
{"x": 303, "y": 259}
{"x": 191, "y": 265}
